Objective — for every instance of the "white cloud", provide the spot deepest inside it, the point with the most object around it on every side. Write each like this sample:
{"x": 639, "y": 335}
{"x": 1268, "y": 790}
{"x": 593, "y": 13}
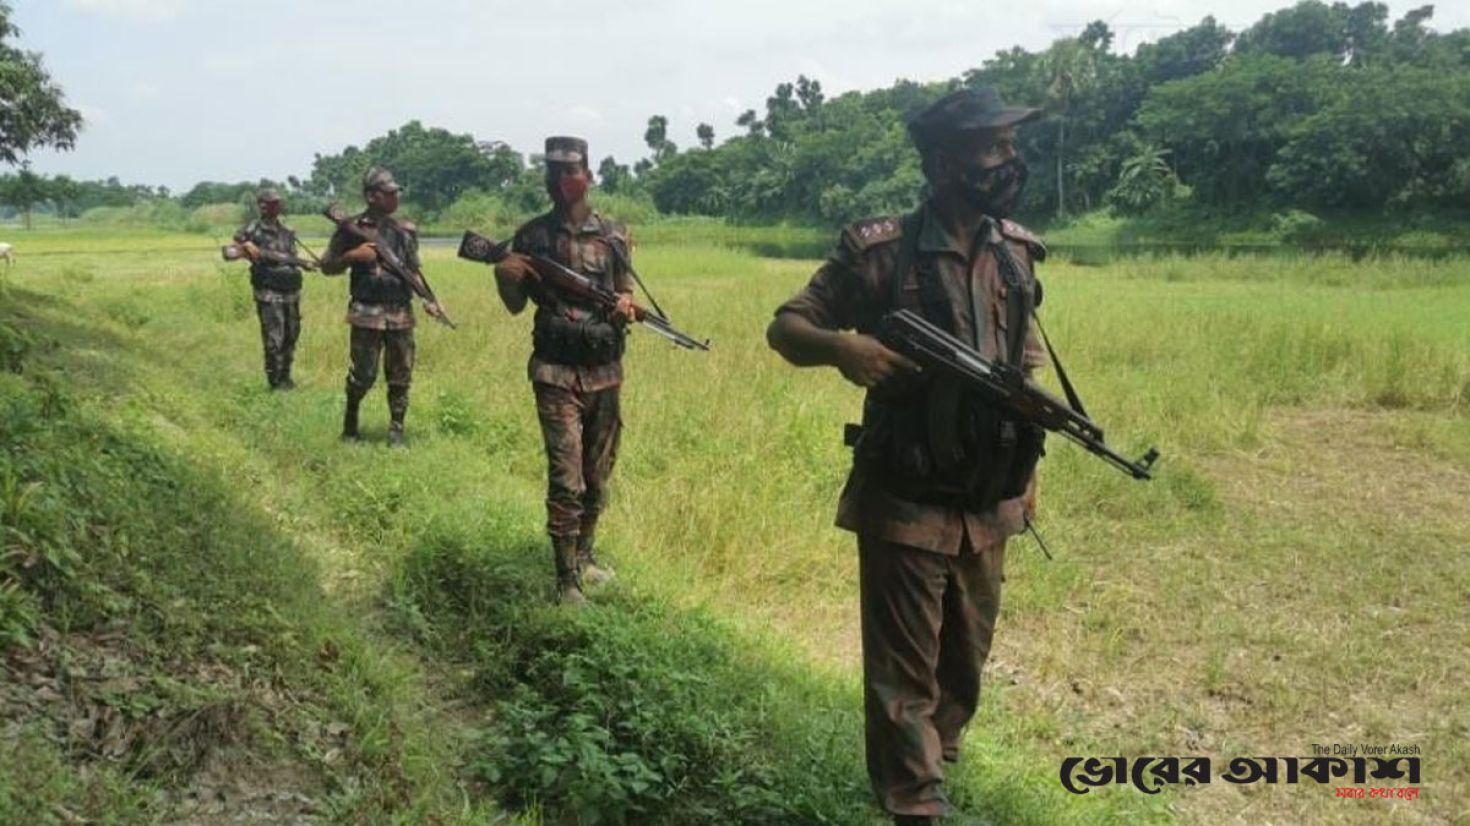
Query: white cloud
{"x": 92, "y": 115}
{"x": 143, "y": 91}
{"x": 581, "y": 113}
{"x": 152, "y": 10}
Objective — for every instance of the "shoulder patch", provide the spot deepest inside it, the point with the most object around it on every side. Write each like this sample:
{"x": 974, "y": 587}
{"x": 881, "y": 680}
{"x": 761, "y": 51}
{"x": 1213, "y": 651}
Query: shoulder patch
{"x": 869, "y": 232}
{"x": 1016, "y": 232}
{"x": 408, "y": 226}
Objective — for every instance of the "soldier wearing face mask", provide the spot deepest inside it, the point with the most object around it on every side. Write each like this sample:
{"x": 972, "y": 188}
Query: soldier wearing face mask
{"x": 576, "y": 365}
{"x": 931, "y": 543}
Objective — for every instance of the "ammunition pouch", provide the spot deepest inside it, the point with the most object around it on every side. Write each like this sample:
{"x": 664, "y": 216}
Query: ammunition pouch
{"x": 941, "y": 446}
{"x": 374, "y": 285}
{"x": 268, "y": 275}
{"x": 586, "y": 342}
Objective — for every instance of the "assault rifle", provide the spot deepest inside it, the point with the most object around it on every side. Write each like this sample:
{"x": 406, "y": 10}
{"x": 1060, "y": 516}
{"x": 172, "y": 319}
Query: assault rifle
{"x": 476, "y": 247}
{"x": 1004, "y": 385}
{"x": 414, "y": 280}
{"x": 234, "y": 252}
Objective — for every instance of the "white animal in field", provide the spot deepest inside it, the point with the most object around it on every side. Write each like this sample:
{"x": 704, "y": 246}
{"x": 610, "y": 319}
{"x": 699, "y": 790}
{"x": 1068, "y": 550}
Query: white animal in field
{"x": 7, "y": 251}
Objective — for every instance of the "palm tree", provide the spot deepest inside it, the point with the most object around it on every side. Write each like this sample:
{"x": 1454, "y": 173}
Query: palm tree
{"x": 1070, "y": 67}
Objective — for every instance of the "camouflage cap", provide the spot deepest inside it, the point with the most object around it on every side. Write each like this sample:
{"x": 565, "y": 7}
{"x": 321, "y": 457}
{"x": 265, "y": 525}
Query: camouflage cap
{"x": 565, "y": 149}
{"x": 379, "y": 178}
{"x": 267, "y": 194}
{"x": 966, "y": 110}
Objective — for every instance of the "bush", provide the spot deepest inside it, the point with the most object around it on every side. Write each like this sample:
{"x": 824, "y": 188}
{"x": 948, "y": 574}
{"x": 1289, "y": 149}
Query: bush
{"x": 633, "y": 210}
{"x": 631, "y": 712}
{"x": 481, "y": 211}
{"x": 211, "y": 216}
{"x": 1297, "y": 225}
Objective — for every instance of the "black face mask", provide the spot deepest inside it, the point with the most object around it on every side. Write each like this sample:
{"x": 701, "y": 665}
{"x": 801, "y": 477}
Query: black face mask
{"x": 995, "y": 191}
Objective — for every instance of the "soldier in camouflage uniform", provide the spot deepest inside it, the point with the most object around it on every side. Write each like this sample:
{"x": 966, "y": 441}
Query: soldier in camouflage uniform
{"x": 277, "y": 287}
{"x": 576, "y": 366}
{"x": 931, "y": 554}
{"x": 380, "y": 310}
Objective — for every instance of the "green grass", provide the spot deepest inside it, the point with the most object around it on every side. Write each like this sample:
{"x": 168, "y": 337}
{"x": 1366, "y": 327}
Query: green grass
{"x": 1191, "y": 226}
{"x": 1293, "y": 575}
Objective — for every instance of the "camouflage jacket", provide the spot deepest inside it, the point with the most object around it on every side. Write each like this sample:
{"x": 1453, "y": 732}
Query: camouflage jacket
{"x": 588, "y": 249}
{"x": 379, "y": 300}
{"x": 271, "y": 278}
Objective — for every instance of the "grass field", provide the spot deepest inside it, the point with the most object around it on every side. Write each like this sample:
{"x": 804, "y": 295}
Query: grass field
{"x": 1295, "y": 575}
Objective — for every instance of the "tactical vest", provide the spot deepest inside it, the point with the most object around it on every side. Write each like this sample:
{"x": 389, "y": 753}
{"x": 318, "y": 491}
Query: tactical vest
{"x": 927, "y": 439}
{"x": 374, "y": 284}
{"x": 576, "y": 334}
{"x": 273, "y": 275}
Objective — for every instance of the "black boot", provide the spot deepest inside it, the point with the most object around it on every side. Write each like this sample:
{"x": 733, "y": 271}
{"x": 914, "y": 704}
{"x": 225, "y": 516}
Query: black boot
{"x": 349, "y": 417}
{"x": 568, "y": 579}
{"x": 397, "y": 409}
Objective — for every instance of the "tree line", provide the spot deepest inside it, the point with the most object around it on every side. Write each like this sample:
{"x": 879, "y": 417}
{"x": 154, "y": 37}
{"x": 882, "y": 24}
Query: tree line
{"x": 1315, "y": 107}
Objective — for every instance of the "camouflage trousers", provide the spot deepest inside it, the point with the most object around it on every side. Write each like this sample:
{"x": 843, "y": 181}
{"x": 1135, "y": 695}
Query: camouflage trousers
{"x": 927, "y": 620}
{"x": 581, "y": 432}
{"x": 280, "y": 326}
{"x": 397, "y": 348}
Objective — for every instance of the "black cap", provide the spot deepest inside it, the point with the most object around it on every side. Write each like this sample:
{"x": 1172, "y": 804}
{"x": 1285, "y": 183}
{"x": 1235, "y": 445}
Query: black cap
{"x": 566, "y": 149}
{"x": 268, "y": 194}
{"x": 966, "y": 110}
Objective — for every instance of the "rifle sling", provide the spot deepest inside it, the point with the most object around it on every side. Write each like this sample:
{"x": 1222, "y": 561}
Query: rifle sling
{"x": 1072, "y": 397}
{"x": 934, "y": 304}
{"x": 1012, "y": 272}
{"x": 622, "y": 256}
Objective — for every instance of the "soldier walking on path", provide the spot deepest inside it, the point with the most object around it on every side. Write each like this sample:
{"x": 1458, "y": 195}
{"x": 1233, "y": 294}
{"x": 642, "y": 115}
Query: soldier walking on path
{"x": 275, "y": 276}
{"x": 939, "y": 479}
{"x": 576, "y": 368}
{"x": 380, "y": 310}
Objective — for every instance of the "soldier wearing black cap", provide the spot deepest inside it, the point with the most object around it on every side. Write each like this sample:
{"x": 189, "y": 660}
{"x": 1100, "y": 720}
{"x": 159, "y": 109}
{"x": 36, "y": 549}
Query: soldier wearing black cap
{"x": 931, "y": 544}
{"x": 277, "y": 286}
{"x": 576, "y": 365}
{"x": 380, "y": 311}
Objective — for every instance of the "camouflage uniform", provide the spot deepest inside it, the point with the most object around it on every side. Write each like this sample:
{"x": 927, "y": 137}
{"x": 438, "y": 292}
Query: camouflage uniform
{"x": 380, "y": 314}
{"x": 930, "y": 573}
{"x": 277, "y": 289}
{"x": 577, "y": 386}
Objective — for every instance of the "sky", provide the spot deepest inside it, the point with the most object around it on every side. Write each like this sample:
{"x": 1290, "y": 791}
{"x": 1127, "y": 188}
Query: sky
{"x": 178, "y": 91}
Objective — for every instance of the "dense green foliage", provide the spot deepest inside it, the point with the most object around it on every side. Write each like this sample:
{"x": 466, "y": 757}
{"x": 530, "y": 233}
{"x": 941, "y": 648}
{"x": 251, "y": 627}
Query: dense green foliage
{"x": 1315, "y": 109}
{"x": 33, "y": 110}
{"x": 155, "y": 624}
{"x": 1315, "y": 106}
{"x": 635, "y": 713}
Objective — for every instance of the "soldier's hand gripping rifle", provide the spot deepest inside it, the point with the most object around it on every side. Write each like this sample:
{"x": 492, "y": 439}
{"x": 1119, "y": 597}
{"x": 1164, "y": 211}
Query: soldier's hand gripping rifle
{"x": 1004, "y": 385}
{"x": 236, "y": 251}
{"x": 391, "y": 262}
{"x": 476, "y": 247}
